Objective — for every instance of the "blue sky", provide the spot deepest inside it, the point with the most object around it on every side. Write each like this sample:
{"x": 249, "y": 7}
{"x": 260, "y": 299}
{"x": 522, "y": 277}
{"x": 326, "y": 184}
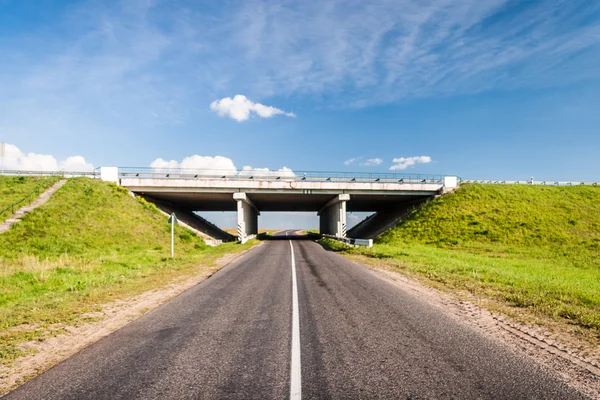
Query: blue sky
{"x": 483, "y": 89}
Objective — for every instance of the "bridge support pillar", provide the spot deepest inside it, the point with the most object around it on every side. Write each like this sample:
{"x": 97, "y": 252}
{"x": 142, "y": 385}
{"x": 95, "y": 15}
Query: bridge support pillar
{"x": 247, "y": 217}
{"x": 332, "y": 217}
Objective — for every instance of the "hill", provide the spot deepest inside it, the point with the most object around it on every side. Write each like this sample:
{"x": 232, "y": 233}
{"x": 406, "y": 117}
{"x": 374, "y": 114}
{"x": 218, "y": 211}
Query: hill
{"x": 509, "y": 215}
{"x": 89, "y": 244}
{"x": 15, "y": 188}
{"x": 91, "y": 218}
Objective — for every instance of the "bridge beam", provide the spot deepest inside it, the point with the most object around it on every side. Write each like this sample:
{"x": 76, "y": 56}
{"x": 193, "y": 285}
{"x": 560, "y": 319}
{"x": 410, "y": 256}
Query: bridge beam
{"x": 247, "y": 216}
{"x": 332, "y": 216}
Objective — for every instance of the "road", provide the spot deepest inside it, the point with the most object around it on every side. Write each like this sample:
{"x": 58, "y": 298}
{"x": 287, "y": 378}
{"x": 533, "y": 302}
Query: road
{"x": 230, "y": 337}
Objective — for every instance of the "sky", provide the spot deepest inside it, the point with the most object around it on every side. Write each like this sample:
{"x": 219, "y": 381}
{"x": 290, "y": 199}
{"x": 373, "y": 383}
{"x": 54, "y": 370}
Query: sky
{"x": 491, "y": 89}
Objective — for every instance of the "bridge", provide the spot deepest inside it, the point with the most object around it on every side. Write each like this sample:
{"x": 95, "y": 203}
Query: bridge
{"x": 250, "y": 192}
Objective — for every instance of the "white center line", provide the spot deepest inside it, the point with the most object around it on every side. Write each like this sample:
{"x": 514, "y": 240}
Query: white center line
{"x": 295, "y": 376}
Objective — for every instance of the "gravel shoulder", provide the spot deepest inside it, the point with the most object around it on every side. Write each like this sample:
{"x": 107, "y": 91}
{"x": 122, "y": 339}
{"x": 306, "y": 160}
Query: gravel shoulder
{"x": 572, "y": 358}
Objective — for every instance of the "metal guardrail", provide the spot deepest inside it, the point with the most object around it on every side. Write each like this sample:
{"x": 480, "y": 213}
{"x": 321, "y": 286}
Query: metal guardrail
{"x": 289, "y": 175}
{"x": 35, "y": 193}
{"x": 64, "y": 174}
{"x": 532, "y": 182}
{"x": 351, "y": 241}
{"x": 285, "y": 175}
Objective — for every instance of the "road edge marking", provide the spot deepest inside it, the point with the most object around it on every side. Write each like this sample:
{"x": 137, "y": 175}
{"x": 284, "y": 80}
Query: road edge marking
{"x": 295, "y": 370}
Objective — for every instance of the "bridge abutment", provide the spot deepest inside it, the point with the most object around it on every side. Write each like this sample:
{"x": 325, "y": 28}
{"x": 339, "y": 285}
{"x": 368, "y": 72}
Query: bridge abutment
{"x": 332, "y": 217}
{"x": 247, "y": 216}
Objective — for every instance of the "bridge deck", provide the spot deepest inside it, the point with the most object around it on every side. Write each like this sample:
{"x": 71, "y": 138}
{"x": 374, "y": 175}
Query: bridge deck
{"x": 278, "y": 195}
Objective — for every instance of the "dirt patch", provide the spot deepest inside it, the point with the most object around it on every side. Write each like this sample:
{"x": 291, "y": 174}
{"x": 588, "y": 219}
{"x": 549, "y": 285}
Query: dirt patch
{"x": 555, "y": 346}
{"x": 93, "y": 327}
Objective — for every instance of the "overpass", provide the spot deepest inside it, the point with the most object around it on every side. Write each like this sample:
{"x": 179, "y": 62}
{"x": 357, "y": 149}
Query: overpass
{"x": 250, "y": 192}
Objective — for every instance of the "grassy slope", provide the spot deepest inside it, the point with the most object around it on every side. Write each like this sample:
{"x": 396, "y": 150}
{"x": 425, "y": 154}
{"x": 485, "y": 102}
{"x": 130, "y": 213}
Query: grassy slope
{"x": 14, "y": 188}
{"x": 509, "y": 215}
{"x": 531, "y": 247}
{"x": 89, "y": 244}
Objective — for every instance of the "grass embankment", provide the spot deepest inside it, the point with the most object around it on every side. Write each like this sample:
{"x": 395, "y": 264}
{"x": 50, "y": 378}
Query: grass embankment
{"x": 90, "y": 244}
{"x": 14, "y": 188}
{"x": 531, "y": 248}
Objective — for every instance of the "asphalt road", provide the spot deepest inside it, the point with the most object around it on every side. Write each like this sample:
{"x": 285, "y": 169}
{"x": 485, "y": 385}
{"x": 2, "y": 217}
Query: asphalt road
{"x": 230, "y": 337}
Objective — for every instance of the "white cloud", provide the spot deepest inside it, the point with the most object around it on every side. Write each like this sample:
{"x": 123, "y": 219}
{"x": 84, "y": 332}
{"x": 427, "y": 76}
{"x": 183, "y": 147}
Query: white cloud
{"x": 14, "y": 159}
{"x": 371, "y": 162}
{"x": 197, "y": 163}
{"x": 405, "y": 162}
{"x": 266, "y": 172}
{"x": 75, "y": 164}
{"x": 366, "y": 163}
{"x": 163, "y": 165}
{"x": 240, "y": 108}
{"x": 209, "y": 165}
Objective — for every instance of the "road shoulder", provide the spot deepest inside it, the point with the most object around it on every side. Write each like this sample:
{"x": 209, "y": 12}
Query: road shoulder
{"x": 111, "y": 317}
{"x": 560, "y": 353}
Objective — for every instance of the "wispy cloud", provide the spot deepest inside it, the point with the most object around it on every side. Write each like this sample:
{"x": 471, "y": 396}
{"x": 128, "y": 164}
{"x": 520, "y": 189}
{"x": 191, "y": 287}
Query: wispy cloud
{"x": 371, "y": 162}
{"x": 113, "y": 62}
{"x": 240, "y": 108}
{"x": 403, "y": 163}
{"x": 381, "y": 52}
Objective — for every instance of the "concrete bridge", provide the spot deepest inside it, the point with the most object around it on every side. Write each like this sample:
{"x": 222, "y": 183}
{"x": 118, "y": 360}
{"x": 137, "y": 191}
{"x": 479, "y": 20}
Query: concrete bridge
{"x": 329, "y": 194}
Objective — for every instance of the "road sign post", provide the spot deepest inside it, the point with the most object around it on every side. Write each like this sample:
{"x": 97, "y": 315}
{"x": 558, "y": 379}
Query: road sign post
{"x": 172, "y": 221}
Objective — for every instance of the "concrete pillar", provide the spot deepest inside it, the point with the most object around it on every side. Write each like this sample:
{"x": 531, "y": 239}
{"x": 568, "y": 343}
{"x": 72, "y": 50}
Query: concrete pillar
{"x": 247, "y": 216}
{"x": 332, "y": 217}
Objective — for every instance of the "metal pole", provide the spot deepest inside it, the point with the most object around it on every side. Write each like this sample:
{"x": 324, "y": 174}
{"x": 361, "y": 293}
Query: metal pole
{"x": 172, "y": 237}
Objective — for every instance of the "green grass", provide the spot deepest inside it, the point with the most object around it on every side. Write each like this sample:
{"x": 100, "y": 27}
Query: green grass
{"x": 529, "y": 247}
{"x": 90, "y": 244}
{"x": 14, "y": 188}
{"x": 507, "y": 215}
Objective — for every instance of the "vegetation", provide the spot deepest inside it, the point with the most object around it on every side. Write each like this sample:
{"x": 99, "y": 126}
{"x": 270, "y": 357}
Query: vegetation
{"x": 14, "y": 188}
{"x": 507, "y": 215}
{"x": 91, "y": 243}
{"x": 531, "y": 247}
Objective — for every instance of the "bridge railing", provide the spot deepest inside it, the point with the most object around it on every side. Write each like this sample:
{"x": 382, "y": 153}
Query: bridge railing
{"x": 66, "y": 174}
{"x": 289, "y": 175}
{"x": 531, "y": 182}
{"x": 283, "y": 175}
